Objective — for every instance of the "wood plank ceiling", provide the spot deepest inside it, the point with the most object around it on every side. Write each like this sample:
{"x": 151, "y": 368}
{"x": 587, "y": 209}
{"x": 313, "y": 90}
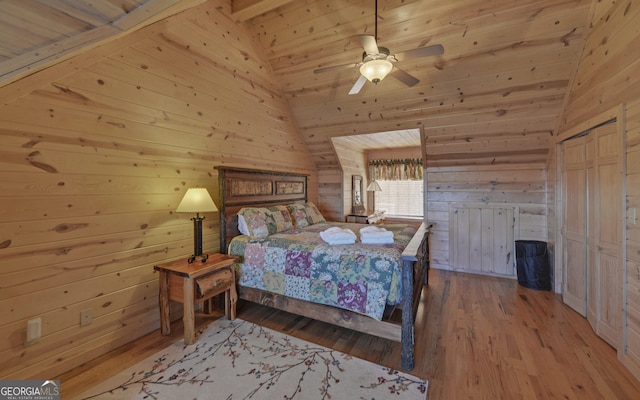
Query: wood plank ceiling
{"x": 405, "y": 138}
{"x": 494, "y": 96}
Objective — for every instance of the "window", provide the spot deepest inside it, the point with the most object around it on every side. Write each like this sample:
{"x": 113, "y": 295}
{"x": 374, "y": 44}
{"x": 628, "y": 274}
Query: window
{"x": 402, "y": 192}
{"x": 400, "y": 198}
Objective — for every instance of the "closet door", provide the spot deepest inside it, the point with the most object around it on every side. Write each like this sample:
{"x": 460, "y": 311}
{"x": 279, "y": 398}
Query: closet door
{"x": 593, "y": 228}
{"x": 574, "y": 200}
{"x": 593, "y": 288}
{"x": 609, "y": 231}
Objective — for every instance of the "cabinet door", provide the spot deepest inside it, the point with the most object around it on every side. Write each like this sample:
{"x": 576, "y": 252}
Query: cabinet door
{"x": 483, "y": 238}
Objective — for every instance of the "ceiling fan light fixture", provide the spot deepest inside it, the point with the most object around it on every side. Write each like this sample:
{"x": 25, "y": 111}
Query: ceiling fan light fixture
{"x": 376, "y": 70}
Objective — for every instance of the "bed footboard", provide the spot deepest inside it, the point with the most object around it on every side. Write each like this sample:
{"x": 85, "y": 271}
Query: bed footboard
{"x": 415, "y": 273}
{"x": 320, "y": 312}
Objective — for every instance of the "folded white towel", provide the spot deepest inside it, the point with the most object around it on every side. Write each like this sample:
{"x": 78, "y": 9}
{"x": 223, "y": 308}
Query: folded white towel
{"x": 387, "y": 240}
{"x": 373, "y": 229}
{"x": 337, "y": 242}
{"x": 369, "y": 233}
{"x": 336, "y": 235}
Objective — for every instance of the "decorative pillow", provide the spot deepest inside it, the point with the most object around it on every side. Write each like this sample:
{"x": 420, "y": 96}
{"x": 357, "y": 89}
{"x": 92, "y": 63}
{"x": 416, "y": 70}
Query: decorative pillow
{"x": 262, "y": 222}
{"x": 256, "y": 221}
{"x": 281, "y": 218}
{"x": 305, "y": 214}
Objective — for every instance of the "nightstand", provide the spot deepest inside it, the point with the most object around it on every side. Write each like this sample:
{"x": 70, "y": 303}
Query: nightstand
{"x": 366, "y": 217}
{"x": 194, "y": 283}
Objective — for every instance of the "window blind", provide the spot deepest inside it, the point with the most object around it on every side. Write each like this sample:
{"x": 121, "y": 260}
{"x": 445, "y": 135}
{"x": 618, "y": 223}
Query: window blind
{"x": 400, "y": 198}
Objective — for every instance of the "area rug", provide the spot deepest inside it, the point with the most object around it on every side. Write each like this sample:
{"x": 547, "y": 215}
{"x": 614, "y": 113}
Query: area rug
{"x": 240, "y": 360}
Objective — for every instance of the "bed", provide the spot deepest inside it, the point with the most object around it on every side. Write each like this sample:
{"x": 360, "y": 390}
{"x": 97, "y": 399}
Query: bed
{"x": 273, "y": 268}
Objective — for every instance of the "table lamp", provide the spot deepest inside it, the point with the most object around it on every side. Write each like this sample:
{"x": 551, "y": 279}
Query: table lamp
{"x": 374, "y": 186}
{"x": 197, "y": 200}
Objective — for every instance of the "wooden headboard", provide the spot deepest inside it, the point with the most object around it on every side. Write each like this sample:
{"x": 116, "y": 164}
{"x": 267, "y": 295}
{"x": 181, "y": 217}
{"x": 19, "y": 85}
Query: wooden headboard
{"x": 254, "y": 188}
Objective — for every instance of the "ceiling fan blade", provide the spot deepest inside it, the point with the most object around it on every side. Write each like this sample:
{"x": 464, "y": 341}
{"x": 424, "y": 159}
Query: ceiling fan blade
{"x": 333, "y": 67}
{"x": 368, "y": 43}
{"x": 404, "y": 77}
{"x": 358, "y": 85}
{"x": 434, "y": 50}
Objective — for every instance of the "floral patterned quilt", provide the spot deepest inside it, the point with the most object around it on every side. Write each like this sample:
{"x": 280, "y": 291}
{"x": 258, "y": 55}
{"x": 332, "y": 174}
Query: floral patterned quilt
{"x": 298, "y": 263}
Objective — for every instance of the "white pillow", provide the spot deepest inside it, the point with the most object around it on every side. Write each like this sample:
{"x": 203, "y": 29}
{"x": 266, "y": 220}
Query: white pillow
{"x": 242, "y": 226}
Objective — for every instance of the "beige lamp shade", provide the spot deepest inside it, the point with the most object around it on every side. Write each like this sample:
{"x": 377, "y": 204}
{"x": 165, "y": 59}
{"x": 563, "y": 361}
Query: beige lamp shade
{"x": 197, "y": 200}
{"x": 374, "y": 186}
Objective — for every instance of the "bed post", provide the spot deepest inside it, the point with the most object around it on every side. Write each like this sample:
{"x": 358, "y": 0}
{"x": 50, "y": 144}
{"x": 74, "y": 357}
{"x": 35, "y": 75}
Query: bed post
{"x": 415, "y": 264}
{"x": 408, "y": 324}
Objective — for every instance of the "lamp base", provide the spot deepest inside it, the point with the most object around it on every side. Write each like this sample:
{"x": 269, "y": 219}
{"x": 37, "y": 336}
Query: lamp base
{"x": 197, "y": 240}
{"x": 192, "y": 258}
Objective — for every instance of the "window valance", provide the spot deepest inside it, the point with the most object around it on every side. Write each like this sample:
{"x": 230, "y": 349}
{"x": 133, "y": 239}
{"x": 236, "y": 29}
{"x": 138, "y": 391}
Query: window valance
{"x": 409, "y": 169}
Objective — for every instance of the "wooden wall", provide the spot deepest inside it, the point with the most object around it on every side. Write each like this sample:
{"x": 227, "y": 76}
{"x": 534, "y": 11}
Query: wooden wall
{"x": 518, "y": 185}
{"x": 95, "y": 155}
{"x": 330, "y": 194}
{"x": 352, "y": 162}
{"x": 606, "y": 79}
{"x": 631, "y": 349}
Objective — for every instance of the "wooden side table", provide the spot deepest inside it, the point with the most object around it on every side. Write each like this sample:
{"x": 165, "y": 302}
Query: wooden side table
{"x": 195, "y": 283}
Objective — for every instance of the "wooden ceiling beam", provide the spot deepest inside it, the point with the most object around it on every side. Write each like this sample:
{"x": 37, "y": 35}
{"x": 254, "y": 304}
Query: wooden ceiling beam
{"x": 153, "y": 11}
{"x": 244, "y": 10}
{"x": 43, "y": 57}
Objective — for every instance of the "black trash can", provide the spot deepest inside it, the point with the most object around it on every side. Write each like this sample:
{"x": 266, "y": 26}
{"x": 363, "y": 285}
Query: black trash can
{"x": 532, "y": 262}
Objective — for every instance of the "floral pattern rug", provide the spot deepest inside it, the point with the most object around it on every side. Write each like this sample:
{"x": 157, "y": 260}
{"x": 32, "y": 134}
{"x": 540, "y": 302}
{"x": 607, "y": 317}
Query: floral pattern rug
{"x": 240, "y": 360}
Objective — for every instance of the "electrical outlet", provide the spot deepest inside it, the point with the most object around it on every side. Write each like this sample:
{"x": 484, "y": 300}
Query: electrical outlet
{"x": 86, "y": 317}
{"x": 34, "y": 331}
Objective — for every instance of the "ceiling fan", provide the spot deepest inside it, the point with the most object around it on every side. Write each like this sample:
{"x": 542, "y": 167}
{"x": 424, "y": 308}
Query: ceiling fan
{"x": 377, "y": 62}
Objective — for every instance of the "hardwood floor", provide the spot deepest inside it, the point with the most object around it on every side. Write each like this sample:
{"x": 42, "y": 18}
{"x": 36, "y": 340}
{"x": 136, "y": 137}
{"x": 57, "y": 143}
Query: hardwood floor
{"x": 476, "y": 338}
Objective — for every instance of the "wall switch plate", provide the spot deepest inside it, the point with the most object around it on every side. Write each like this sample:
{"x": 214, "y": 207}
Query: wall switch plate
{"x": 34, "y": 331}
{"x": 86, "y": 317}
{"x": 631, "y": 216}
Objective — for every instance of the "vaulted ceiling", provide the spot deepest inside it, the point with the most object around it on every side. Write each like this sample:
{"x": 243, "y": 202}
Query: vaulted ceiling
{"x": 494, "y": 96}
